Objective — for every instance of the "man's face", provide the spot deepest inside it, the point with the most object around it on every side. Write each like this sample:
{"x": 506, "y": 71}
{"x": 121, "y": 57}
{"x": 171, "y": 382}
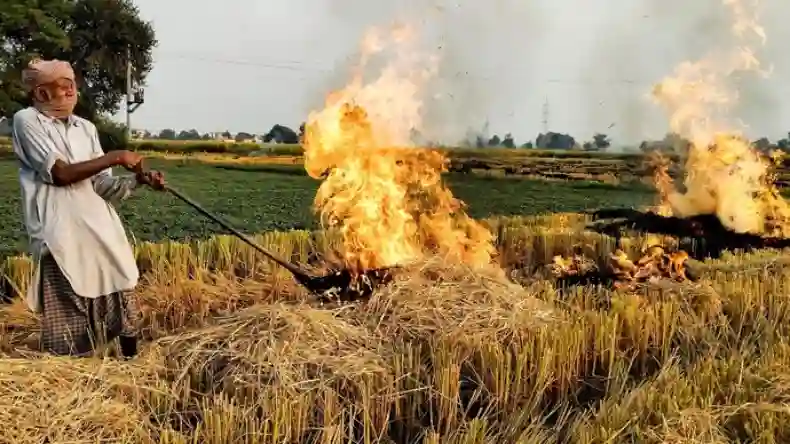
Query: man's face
{"x": 58, "y": 90}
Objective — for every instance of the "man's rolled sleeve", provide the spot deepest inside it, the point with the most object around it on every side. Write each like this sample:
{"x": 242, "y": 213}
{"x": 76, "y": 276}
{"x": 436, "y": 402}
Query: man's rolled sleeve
{"x": 34, "y": 148}
{"x": 114, "y": 189}
{"x": 109, "y": 187}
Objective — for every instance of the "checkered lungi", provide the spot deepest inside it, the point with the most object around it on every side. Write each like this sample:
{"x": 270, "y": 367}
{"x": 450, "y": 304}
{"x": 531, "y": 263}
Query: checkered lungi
{"x": 75, "y": 325}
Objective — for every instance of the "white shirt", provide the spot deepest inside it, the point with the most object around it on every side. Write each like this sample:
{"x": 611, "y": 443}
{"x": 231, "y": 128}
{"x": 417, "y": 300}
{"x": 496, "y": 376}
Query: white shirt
{"x": 77, "y": 224}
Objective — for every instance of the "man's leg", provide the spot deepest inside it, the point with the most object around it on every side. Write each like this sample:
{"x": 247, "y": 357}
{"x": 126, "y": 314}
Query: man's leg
{"x": 66, "y": 327}
{"x": 119, "y": 315}
{"x": 130, "y": 325}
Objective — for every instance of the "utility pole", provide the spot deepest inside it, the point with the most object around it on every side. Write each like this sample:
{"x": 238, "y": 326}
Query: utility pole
{"x": 134, "y": 97}
{"x": 546, "y": 115}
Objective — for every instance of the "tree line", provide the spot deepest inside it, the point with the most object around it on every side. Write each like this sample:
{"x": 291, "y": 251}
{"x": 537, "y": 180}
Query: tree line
{"x": 277, "y": 134}
{"x": 550, "y": 140}
{"x": 283, "y": 134}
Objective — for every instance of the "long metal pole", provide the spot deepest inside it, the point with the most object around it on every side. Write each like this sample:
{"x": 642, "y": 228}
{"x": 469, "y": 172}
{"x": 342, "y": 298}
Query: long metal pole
{"x": 248, "y": 240}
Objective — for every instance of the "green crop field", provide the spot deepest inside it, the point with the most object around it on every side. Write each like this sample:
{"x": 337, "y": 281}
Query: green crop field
{"x": 278, "y": 197}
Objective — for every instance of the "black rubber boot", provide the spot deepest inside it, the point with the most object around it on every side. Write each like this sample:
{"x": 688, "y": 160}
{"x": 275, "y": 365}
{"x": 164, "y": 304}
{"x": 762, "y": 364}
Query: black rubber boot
{"x": 128, "y": 346}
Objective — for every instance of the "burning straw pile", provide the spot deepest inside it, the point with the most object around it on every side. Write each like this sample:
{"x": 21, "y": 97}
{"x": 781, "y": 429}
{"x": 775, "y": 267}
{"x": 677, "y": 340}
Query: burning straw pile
{"x": 385, "y": 198}
{"x": 455, "y": 302}
{"x": 728, "y": 199}
{"x": 620, "y": 272}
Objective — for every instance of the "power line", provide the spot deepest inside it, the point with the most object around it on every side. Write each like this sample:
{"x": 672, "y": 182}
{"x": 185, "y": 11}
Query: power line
{"x": 301, "y": 66}
{"x": 247, "y": 63}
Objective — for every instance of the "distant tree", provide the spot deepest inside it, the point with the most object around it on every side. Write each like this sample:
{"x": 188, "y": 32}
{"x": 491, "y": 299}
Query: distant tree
{"x": 589, "y": 146}
{"x": 671, "y": 142}
{"x": 508, "y": 141}
{"x": 762, "y": 144}
{"x": 226, "y": 135}
{"x": 93, "y": 35}
{"x": 784, "y": 144}
{"x": 555, "y": 141}
{"x": 112, "y": 135}
{"x": 167, "y": 134}
{"x": 281, "y": 134}
{"x": 527, "y": 146}
{"x": 494, "y": 141}
{"x": 244, "y": 137}
{"x": 601, "y": 141}
{"x": 192, "y": 134}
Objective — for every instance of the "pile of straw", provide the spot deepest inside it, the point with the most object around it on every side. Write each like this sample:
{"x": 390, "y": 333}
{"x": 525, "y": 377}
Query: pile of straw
{"x": 455, "y": 301}
{"x": 61, "y": 400}
{"x": 275, "y": 344}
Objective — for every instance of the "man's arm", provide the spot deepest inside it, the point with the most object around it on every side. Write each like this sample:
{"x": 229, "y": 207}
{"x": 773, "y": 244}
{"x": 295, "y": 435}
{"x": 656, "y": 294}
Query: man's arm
{"x": 35, "y": 149}
{"x": 114, "y": 189}
{"x": 109, "y": 187}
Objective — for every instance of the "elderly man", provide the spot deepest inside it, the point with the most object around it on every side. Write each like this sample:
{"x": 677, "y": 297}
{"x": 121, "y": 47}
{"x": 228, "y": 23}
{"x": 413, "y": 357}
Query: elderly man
{"x": 84, "y": 266}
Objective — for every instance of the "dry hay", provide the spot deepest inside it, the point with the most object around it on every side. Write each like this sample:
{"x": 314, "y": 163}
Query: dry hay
{"x": 301, "y": 371}
{"x": 62, "y": 400}
{"x": 348, "y": 368}
{"x": 164, "y": 309}
{"x": 293, "y": 365}
{"x": 168, "y": 307}
{"x": 454, "y": 301}
{"x": 276, "y": 344}
{"x": 18, "y": 325}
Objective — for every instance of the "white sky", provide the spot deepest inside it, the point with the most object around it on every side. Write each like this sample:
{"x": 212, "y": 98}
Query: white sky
{"x": 244, "y": 65}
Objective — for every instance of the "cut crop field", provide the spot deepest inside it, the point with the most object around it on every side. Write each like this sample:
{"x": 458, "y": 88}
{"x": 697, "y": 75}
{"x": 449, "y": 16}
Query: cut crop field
{"x": 236, "y": 353}
{"x": 258, "y": 198}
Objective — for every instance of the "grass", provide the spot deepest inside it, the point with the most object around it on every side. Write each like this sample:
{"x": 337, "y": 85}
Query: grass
{"x": 278, "y": 197}
{"x": 237, "y": 354}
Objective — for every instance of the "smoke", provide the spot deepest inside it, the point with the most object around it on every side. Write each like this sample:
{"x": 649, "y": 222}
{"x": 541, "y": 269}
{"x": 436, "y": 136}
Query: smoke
{"x": 484, "y": 52}
{"x": 498, "y": 60}
{"x": 651, "y": 37}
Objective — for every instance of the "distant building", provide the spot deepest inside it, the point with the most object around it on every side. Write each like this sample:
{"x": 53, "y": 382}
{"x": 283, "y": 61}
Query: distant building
{"x": 220, "y": 137}
{"x": 140, "y": 134}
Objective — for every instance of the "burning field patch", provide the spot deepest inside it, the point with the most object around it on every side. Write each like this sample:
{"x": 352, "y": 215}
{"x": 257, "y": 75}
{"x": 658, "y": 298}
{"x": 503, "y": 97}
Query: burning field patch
{"x": 622, "y": 272}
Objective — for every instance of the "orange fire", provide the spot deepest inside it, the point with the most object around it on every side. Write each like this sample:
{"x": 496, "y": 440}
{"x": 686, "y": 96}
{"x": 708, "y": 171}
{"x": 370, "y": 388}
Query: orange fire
{"x": 655, "y": 264}
{"x": 384, "y": 195}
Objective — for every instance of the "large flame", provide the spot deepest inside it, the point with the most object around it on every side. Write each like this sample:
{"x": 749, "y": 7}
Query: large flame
{"x": 384, "y": 195}
{"x": 724, "y": 174}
